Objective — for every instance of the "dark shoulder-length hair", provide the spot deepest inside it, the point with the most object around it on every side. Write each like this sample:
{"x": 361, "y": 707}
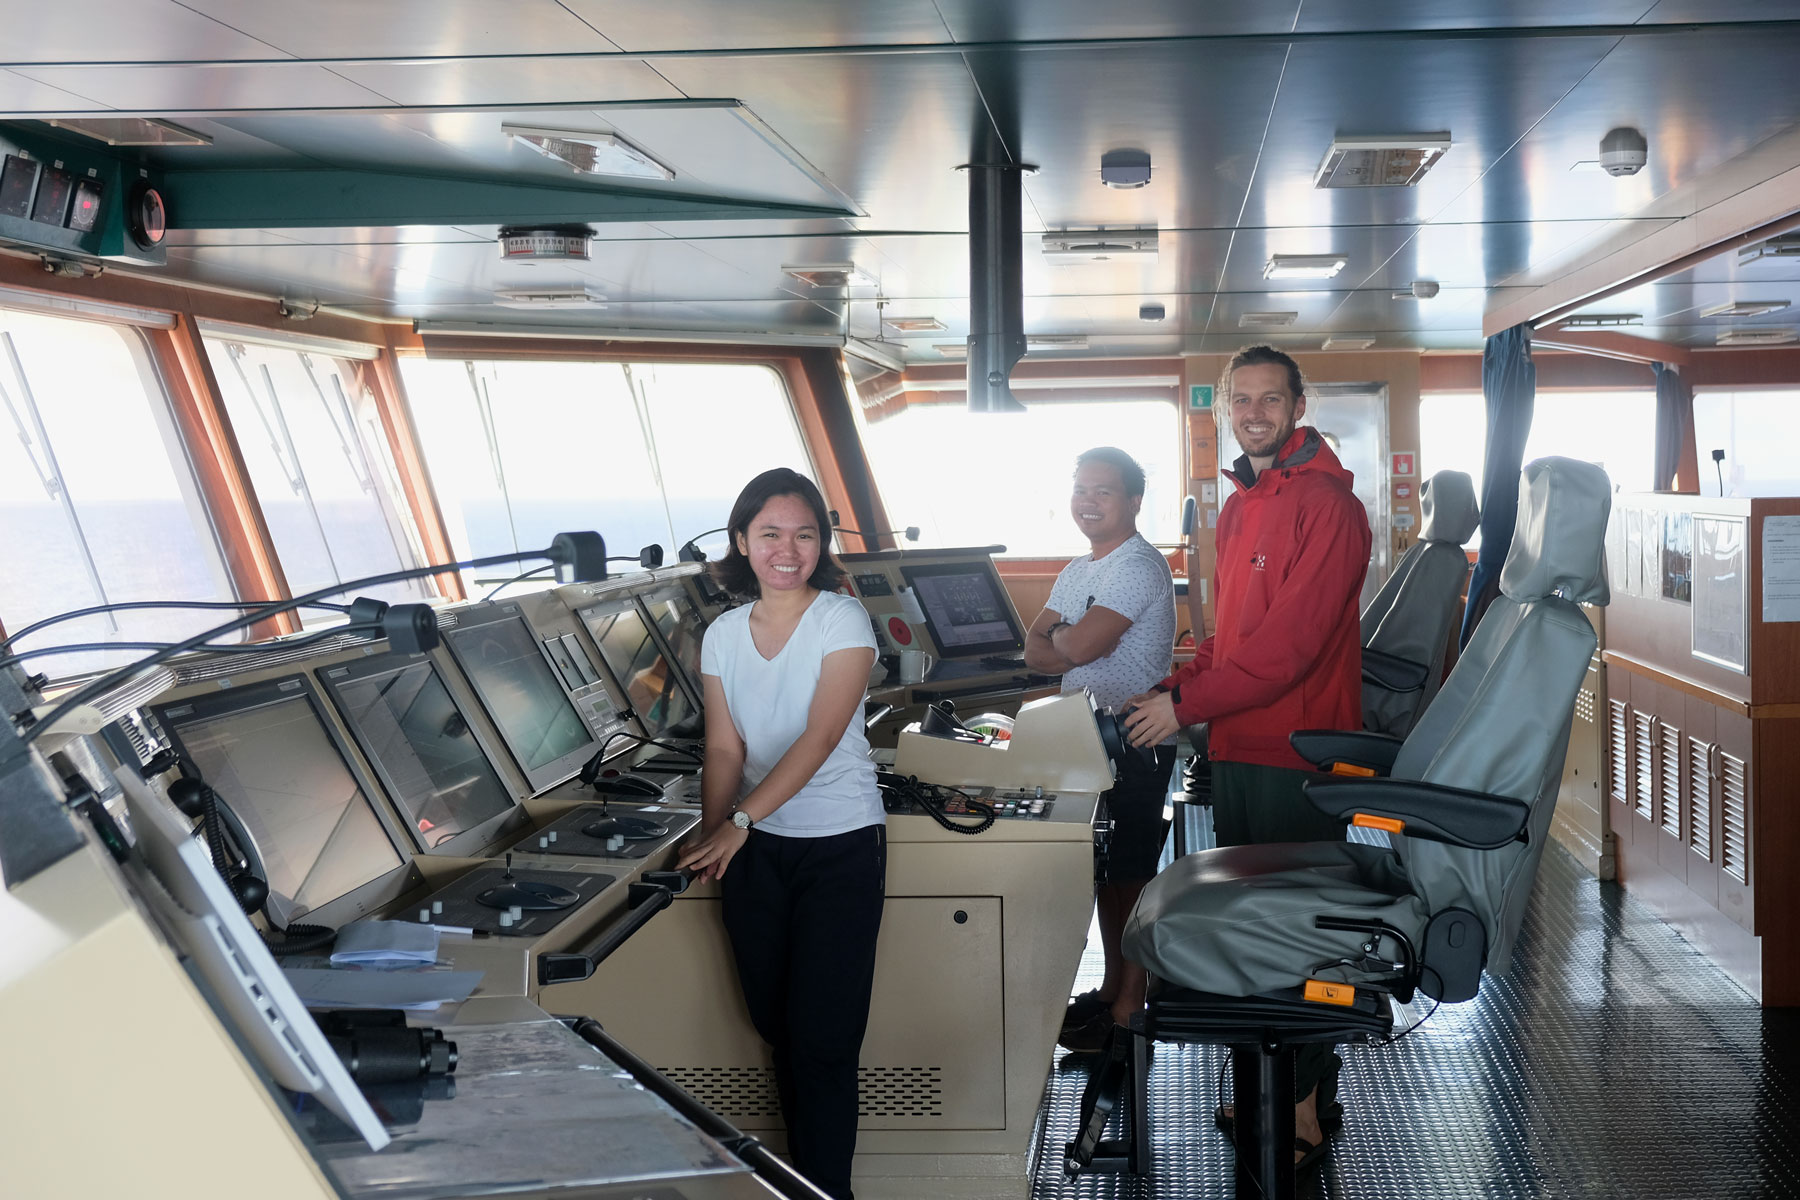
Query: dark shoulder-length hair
{"x": 733, "y": 572}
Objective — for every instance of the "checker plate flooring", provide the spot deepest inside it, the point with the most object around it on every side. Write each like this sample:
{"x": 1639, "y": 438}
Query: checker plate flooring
{"x": 1611, "y": 1060}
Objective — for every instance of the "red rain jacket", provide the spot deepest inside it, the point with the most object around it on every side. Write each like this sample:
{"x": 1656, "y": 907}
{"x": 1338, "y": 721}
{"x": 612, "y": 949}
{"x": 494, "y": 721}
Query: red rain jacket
{"x": 1287, "y": 654}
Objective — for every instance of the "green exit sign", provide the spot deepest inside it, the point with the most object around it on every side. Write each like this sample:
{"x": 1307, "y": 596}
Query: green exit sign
{"x": 1200, "y": 396}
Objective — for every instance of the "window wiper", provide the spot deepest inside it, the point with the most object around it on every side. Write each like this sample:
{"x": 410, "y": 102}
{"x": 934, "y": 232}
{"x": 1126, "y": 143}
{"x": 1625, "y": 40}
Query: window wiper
{"x": 342, "y": 424}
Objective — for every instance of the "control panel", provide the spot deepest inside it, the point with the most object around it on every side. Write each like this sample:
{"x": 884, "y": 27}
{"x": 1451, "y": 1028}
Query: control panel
{"x": 609, "y": 831}
{"x": 1023, "y": 805}
{"x": 69, "y": 195}
{"x": 511, "y": 901}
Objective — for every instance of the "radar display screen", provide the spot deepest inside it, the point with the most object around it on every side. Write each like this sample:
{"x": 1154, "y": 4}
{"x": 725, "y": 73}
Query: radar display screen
{"x": 966, "y": 610}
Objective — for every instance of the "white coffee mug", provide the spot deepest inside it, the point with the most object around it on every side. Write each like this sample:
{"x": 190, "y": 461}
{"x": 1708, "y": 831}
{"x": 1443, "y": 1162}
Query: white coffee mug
{"x": 915, "y": 665}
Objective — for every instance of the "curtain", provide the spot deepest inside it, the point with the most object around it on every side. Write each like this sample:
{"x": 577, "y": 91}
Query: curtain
{"x": 1509, "y": 385}
{"x": 1674, "y": 426}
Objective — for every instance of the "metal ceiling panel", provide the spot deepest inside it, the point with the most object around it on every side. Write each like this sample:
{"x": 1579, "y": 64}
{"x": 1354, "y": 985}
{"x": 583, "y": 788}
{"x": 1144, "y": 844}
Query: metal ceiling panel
{"x": 1377, "y": 312}
{"x": 1681, "y": 302}
{"x": 748, "y": 317}
{"x": 1726, "y": 268}
{"x": 513, "y": 81}
{"x": 1014, "y": 20}
{"x": 888, "y": 131}
{"x": 1060, "y": 110}
{"x": 1458, "y": 254}
{"x": 401, "y": 28}
{"x": 1685, "y": 11}
{"x": 122, "y": 31}
{"x": 1364, "y": 247}
{"x": 733, "y": 24}
{"x": 1331, "y": 16}
{"x": 1486, "y": 93}
{"x": 1700, "y": 103}
{"x": 21, "y": 97}
{"x": 164, "y": 91}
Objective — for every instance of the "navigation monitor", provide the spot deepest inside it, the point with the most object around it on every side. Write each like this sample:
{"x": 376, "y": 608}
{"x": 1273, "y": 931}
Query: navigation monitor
{"x": 267, "y": 751}
{"x": 636, "y": 660}
{"x": 681, "y": 627}
{"x": 421, "y": 745}
{"x": 511, "y": 674}
{"x": 966, "y": 610}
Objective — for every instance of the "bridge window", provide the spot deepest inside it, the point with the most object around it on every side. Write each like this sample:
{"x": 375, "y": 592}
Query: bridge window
{"x": 316, "y": 457}
{"x": 1615, "y": 429}
{"x": 1757, "y": 429}
{"x": 642, "y": 452}
{"x": 97, "y": 500}
{"x": 974, "y": 479}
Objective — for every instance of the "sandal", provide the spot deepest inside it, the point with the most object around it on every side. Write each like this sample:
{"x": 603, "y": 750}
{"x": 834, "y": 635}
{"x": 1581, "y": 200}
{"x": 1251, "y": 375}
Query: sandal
{"x": 1082, "y": 1009}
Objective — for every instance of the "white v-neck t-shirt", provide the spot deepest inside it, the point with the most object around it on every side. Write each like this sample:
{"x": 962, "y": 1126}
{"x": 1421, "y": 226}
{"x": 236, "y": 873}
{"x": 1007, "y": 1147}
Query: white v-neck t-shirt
{"x": 770, "y": 699}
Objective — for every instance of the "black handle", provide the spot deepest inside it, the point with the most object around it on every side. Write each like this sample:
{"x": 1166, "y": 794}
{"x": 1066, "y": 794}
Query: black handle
{"x": 655, "y": 891}
{"x": 772, "y": 1170}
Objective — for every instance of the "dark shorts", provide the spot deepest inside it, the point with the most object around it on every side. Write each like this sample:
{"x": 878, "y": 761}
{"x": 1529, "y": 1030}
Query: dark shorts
{"x": 1135, "y": 805}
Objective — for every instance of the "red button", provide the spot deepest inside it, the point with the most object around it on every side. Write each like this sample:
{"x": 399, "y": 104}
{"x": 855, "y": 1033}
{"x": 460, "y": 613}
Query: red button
{"x": 900, "y": 631}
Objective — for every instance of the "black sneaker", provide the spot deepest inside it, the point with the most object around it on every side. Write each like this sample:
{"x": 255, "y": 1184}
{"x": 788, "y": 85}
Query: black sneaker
{"x": 1090, "y": 1036}
{"x": 1081, "y": 1010}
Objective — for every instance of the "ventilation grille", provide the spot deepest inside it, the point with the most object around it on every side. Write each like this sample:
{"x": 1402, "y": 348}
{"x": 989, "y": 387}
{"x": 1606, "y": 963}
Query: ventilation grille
{"x": 1734, "y": 807}
{"x": 1584, "y": 705}
{"x": 1643, "y": 775}
{"x": 1669, "y": 781}
{"x": 737, "y": 1093}
{"x": 1700, "y": 797}
{"x": 1618, "y": 751}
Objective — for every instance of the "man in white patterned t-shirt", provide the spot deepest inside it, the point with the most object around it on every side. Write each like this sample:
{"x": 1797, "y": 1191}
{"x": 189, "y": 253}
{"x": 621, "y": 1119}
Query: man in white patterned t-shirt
{"x": 1110, "y": 627}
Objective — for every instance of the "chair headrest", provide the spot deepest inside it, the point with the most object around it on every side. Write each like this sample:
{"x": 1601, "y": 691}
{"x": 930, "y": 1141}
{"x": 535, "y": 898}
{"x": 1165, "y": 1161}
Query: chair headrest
{"x": 1450, "y": 511}
{"x": 1558, "y": 545}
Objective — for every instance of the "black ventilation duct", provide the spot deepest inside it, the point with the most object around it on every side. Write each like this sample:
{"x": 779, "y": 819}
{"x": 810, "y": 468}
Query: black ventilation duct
{"x": 996, "y": 285}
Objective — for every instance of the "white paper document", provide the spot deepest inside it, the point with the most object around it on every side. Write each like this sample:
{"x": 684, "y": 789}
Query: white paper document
{"x": 386, "y": 944}
{"x": 1781, "y": 568}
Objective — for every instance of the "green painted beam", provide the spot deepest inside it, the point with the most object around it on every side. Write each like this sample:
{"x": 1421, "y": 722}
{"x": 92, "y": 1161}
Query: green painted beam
{"x": 326, "y": 198}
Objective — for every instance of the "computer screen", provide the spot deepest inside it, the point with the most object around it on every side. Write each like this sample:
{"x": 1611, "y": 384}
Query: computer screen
{"x": 420, "y": 743}
{"x": 637, "y": 662}
{"x": 966, "y": 610}
{"x": 681, "y": 626}
{"x": 266, "y": 750}
{"x": 510, "y": 673}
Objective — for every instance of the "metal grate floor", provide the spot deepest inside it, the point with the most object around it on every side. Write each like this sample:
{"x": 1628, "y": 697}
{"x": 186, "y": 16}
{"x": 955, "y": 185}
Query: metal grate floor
{"x": 1612, "y": 1060}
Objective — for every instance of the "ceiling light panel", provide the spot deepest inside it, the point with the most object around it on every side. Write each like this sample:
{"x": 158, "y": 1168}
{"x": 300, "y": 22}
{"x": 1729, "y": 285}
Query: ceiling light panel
{"x": 1785, "y": 246}
{"x": 1757, "y": 337}
{"x": 829, "y": 275}
{"x": 131, "y": 131}
{"x": 1399, "y": 161}
{"x": 543, "y": 298}
{"x": 1347, "y": 343}
{"x": 1303, "y": 266}
{"x": 1267, "y": 320}
{"x": 914, "y": 324}
{"x": 1744, "y": 308}
{"x": 1601, "y": 320}
{"x": 1066, "y": 246}
{"x": 590, "y": 153}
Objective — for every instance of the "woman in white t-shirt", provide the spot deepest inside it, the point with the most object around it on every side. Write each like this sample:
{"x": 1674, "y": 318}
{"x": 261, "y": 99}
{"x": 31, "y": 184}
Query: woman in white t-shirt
{"x": 792, "y": 822}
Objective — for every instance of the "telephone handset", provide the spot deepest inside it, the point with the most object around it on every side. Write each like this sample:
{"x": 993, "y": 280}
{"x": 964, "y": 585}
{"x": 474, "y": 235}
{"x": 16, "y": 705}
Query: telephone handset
{"x": 233, "y": 850}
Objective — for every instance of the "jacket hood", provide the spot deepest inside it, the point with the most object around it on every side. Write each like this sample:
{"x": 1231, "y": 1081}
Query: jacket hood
{"x": 1305, "y": 450}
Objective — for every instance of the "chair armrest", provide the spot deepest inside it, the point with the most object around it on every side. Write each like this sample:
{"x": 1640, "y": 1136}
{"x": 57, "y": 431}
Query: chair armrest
{"x": 1432, "y": 811}
{"x": 1392, "y": 672}
{"x": 1355, "y": 748}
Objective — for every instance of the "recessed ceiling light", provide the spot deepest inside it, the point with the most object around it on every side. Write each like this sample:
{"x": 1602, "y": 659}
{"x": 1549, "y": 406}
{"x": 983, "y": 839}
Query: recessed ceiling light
{"x": 1785, "y": 246}
{"x": 952, "y": 349}
{"x": 1060, "y": 341}
{"x": 574, "y": 297}
{"x": 1267, "y": 320}
{"x": 1744, "y": 308}
{"x": 1098, "y": 245}
{"x": 589, "y": 153}
{"x": 131, "y": 131}
{"x": 914, "y": 324}
{"x": 829, "y": 275}
{"x": 1756, "y": 337}
{"x": 1303, "y": 266}
{"x": 1398, "y": 161}
{"x": 1347, "y": 343}
{"x": 1601, "y": 320}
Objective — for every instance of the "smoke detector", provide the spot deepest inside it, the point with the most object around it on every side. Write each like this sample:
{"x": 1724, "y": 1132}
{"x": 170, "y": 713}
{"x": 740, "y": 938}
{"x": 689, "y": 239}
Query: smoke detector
{"x": 1422, "y": 289}
{"x": 1623, "y": 151}
{"x": 1125, "y": 169}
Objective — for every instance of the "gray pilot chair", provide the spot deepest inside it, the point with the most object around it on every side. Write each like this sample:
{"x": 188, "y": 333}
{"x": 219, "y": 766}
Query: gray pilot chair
{"x": 1409, "y": 623}
{"x": 1268, "y": 947}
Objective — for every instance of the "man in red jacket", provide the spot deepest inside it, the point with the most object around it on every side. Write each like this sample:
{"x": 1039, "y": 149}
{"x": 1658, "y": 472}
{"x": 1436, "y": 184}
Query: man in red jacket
{"x": 1286, "y": 654}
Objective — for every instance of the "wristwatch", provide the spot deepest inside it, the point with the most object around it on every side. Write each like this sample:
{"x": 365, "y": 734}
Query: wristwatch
{"x": 742, "y": 820}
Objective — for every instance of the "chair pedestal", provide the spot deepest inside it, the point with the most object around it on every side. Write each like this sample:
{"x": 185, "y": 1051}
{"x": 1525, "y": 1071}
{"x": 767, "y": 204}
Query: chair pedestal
{"x": 1263, "y": 1032}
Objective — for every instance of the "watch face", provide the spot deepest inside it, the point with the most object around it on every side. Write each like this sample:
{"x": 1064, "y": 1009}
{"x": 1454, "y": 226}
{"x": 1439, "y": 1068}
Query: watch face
{"x": 741, "y": 820}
